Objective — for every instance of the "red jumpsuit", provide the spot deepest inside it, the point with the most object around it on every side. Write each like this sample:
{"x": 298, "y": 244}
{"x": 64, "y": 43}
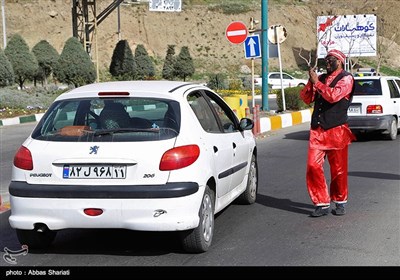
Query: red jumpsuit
{"x": 332, "y": 143}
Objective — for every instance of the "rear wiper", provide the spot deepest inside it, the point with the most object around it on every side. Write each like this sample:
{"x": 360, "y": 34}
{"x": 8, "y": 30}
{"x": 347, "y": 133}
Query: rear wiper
{"x": 123, "y": 130}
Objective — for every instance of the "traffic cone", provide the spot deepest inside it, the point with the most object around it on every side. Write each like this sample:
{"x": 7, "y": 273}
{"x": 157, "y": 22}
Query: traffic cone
{"x": 247, "y": 110}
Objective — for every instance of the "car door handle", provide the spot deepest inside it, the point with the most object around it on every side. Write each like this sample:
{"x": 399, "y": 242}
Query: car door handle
{"x": 215, "y": 149}
{"x": 234, "y": 145}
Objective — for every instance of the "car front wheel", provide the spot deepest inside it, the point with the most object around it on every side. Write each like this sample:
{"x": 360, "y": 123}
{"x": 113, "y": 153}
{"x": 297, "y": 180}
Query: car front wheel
{"x": 198, "y": 240}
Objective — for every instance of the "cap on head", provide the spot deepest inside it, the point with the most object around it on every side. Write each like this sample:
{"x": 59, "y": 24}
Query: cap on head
{"x": 338, "y": 54}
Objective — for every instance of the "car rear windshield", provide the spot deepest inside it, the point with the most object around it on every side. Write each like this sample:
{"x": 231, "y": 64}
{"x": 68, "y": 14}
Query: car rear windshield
{"x": 109, "y": 120}
{"x": 368, "y": 87}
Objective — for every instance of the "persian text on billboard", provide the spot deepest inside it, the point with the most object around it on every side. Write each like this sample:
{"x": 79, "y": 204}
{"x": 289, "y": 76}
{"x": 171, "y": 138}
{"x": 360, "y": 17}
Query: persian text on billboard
{"x": 354, "y": 35}
{"x": 165, "y": 5}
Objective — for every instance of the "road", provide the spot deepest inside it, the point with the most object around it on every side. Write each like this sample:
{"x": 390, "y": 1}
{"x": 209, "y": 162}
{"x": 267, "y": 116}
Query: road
{"x": 276, "y": 231}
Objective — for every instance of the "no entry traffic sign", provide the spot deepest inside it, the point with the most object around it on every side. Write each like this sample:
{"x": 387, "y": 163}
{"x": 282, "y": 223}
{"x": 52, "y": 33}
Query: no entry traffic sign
{"x": 236, "y": 32}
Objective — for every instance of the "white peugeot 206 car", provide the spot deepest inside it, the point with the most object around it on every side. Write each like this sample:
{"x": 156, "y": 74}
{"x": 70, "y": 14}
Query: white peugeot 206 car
{"x": 140, "y": 155}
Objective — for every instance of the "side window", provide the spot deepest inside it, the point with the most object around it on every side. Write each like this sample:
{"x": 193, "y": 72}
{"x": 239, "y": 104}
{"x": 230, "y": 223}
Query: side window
{"x": 398, "y": 89}
{"x": 225, "y": 115}
{"x": 203, "y": 112}
{"x": 394, "y": 91}
{"x": 65, "y": 115}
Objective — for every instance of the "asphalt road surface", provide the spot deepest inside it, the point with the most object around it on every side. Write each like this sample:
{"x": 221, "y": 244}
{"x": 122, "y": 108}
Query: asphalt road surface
{"x": 275, "y": 233}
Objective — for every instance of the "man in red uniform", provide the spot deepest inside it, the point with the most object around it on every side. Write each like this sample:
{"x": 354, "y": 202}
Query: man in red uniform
{"x": 329, "y": 134}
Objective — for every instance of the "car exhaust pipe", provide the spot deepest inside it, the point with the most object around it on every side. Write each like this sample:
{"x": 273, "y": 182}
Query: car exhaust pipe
{"x": 41, "y": 228}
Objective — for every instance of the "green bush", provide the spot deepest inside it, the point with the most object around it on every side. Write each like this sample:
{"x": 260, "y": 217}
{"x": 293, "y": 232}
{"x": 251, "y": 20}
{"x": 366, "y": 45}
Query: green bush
{"x": 292, "y": 99}
{"x": 217, "y": 81}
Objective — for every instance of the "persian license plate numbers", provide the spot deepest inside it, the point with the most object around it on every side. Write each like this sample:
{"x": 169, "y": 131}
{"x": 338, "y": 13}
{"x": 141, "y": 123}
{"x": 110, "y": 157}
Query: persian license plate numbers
{"x": 354, "y": 110}
{"x": 94, "y": 172}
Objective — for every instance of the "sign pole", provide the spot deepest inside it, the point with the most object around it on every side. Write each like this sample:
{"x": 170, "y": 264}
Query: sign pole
{"x": 252, "y": 82}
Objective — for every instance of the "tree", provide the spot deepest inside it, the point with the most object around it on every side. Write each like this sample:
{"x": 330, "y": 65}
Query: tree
{"x": 145, "y": 67}
{"x": 168, "y": 68}
{"x": 6, "y": 70}
{"x": 123, "y": 65}
{"x": 22, "y": 60}
{"x": 47, "y": 57}
{"x": 184, "y": 66}
{"x": 74, "y": 65}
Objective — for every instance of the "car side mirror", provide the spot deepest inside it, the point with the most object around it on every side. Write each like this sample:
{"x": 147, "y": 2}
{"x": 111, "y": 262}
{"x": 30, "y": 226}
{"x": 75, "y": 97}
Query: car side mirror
{"x": 246, "y": 124}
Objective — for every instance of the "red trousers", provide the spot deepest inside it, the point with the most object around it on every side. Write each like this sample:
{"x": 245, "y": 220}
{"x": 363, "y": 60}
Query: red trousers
{"x": 316, "y": 183}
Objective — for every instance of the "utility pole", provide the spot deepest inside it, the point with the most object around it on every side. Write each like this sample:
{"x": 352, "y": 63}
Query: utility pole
{"x": 3, "y": 16}
{"x": 265, "y": 55}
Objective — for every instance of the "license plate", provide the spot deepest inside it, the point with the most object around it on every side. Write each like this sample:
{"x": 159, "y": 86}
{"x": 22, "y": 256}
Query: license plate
{"x": 94, "y": 172}
{"x": 354, "y": 110}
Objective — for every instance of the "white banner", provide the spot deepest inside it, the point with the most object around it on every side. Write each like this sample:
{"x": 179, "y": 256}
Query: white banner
{"x": 354, "y": 35}
{"x": 165, "y": 5}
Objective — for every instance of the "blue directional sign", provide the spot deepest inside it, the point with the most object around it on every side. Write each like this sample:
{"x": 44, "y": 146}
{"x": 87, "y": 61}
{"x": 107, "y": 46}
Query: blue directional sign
{"x": 252, "y": 48}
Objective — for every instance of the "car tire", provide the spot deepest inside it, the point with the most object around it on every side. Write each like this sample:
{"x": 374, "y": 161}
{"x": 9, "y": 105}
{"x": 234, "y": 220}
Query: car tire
{"x": 392, "y": 129}
{"x": 199, "y": 239}
{"x": 36, "y": 239}
{"x": 250, "y": 194}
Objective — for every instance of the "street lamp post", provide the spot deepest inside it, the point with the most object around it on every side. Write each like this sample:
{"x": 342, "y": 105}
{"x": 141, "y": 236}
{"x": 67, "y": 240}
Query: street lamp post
{"x": 3, "y": 16}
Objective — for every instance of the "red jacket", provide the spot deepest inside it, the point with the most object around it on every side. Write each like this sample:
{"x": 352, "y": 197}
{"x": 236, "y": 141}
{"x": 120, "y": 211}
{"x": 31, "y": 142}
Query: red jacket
{"x": 337, "y": 137}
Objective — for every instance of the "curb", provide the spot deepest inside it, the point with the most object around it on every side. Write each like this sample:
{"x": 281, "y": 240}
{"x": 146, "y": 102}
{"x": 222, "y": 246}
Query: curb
{"x": 284, "y": 120}
{"x": 20, "y": 120}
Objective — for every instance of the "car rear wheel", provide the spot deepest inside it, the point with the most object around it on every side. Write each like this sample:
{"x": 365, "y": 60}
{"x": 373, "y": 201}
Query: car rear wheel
{"x": 37, "y": 238}
{"x": 198, "y": 240}
{"x": 250, "y": 194}
{"x": 392, "y": 130}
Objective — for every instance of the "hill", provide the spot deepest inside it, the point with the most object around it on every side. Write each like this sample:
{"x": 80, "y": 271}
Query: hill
{"x": 201, "y": 28}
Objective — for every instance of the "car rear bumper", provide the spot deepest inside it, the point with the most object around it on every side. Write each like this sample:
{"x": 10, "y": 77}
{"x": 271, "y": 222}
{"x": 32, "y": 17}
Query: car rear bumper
{"x": 369, "y": 123}
{"x": 179, "y": 189}
{"x": 144, "y": 214}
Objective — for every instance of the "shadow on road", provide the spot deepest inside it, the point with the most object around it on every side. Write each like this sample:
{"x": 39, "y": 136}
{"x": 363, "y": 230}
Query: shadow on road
{"x": 298, "y": 135}
{"x": 377, "y": 175}
{"x": 284, "y": 204}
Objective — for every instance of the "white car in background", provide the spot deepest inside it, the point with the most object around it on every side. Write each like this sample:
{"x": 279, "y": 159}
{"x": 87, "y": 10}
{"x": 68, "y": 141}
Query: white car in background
{"x": 139, "y": 155}
{"x": 375, "y": 105}
{"x": 274, "y": 80}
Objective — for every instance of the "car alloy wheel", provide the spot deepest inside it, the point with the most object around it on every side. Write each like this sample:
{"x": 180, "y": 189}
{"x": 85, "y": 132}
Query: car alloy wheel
{"x": 198, "y": 240}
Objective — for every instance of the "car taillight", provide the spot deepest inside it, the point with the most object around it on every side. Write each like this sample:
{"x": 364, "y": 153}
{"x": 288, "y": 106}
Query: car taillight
{"x": 374, "y": 109}
{"x": 179, "y": 157}
{"x": 23, "y": 159}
